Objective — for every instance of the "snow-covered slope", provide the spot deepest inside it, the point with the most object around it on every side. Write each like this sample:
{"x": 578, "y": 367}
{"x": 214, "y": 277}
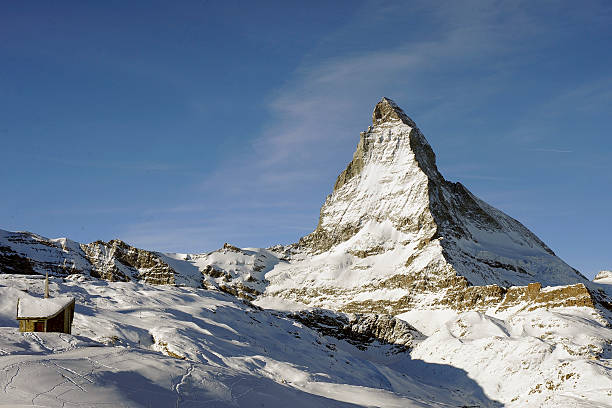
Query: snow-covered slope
{"x": 139, "y": 345}
{"x": 604, "y": 277}
{"x": 544, "y": 358}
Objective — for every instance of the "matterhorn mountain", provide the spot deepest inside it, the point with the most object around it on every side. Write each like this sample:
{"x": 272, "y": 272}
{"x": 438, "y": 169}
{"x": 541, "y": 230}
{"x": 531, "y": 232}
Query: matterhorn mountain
{"x": 411, "y": 291}
{"x": 394, "y": 234}
{"x": 392, "y": 195}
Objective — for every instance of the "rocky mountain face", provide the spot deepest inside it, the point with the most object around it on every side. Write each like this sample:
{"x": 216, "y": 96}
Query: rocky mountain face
{"x": 117, "y": 261}
{"x": 27, "y": 253}
{"x": 361, "y": 330}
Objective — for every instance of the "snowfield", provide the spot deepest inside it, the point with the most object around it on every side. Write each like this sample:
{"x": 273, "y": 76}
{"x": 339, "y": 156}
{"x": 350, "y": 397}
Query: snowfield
{"x": 139, "y": 345}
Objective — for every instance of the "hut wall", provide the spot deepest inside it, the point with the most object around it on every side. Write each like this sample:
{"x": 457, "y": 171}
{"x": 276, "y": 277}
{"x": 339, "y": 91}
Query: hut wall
{"x": 32, "y": 325}
{"x": 68, "y": 316}
{"x": 56, "y": 324}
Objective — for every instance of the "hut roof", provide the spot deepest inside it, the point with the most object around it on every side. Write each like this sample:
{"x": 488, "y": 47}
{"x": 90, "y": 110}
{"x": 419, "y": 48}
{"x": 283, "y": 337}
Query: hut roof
{"x": 34, "y": 308}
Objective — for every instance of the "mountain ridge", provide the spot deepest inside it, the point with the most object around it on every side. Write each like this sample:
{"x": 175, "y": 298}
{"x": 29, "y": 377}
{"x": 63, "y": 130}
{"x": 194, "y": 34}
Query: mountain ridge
{"x": 393, "y": 235}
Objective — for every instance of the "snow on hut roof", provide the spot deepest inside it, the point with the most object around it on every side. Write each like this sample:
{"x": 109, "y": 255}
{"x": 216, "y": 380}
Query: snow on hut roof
{"x": 41, "y": 308}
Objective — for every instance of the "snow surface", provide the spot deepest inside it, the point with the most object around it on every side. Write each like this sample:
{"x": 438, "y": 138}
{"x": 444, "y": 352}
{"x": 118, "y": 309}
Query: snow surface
{"x": 559, "y": 358}
{"x": 139, "y": 345}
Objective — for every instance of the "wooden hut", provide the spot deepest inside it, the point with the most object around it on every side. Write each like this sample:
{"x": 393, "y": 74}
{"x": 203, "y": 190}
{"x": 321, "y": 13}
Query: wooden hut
{"x": 45, "y": 315}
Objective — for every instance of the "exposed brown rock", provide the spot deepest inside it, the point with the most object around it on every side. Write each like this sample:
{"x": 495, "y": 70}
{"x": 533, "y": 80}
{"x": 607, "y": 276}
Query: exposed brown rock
{"x": 214, "y": 272}
{"x": 110, "y": 259}
{"x": 231, "y": 248}
{"x": 240, "y": 291}
{"x": 454, "y": 293}
{"x": 322, "y": 240}
{"x": 368, "y": 252}
{"x": 386, "y": 110}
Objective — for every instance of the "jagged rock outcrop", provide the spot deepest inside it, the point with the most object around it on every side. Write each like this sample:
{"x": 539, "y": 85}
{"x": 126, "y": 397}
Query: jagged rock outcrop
{"x": 117, "y": 261}
{"x": 361, "y": 330}
{"x": 12, "y": 262}
{"x": 488, "y": 299}
{"x": 27, "y": 253}
{"x": 233, "y": 270}
{"x": 237, "y": 271}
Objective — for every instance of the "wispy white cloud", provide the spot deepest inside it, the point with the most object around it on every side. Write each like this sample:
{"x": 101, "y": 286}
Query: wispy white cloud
{"x": 127, "y": 165}
{"x": 316, "y": 117}
{"x": 547, "y": 150}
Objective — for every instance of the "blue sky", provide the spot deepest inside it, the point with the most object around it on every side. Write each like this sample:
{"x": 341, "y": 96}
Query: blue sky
{"x": 179, "y": 126}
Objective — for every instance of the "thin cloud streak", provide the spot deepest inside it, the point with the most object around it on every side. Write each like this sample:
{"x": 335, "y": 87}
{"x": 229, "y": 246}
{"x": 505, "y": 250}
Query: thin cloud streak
{"x": 550, "y": 150}
{"x": 314, "y": 115}
{"x": 121, "y": 165}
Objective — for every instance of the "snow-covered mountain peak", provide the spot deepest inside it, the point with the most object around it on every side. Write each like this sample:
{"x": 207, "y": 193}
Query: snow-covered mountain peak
{"x": 387, "y": 179}
{"x": 393, "y": 224}
{"x": 388, "y": 119}
{"x": 604, "y": 277}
